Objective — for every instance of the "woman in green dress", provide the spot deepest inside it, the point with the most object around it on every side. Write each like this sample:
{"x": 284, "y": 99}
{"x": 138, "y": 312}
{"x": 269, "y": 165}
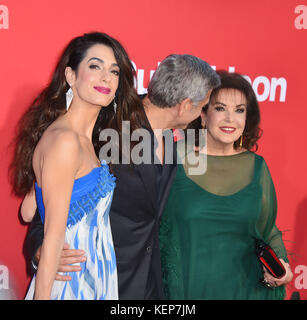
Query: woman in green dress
{"x": 210, "y": 222}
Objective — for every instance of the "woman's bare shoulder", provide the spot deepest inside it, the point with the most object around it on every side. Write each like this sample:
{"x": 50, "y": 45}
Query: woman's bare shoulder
{"x": 59, "y": 137}
{"x": 57, "y": 143}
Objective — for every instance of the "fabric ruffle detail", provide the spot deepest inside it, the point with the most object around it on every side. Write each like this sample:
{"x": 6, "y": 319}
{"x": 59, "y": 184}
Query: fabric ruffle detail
{"x": 88, "y": 201}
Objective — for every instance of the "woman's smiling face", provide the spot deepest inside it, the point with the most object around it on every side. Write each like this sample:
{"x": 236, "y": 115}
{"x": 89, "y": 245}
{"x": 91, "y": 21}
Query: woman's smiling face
{"x": 225, "y": 118}
{"x": 97, "y": 77}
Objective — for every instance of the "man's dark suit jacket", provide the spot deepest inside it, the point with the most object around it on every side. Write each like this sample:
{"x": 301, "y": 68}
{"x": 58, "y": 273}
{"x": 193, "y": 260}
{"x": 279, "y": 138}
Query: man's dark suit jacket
{"x": 135, "y": 217}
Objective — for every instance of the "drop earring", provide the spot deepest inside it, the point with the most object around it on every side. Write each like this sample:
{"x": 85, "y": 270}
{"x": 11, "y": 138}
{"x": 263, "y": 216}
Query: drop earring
{"x": 203, "y": 124}
{"x": 69, "y": 96}
{"x": 241, "y": 141}
{"x": 114, "y": 105}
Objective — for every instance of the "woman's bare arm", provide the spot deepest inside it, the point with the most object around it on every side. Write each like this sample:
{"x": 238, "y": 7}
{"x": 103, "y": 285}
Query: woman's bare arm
{"x": 59, "y": 169}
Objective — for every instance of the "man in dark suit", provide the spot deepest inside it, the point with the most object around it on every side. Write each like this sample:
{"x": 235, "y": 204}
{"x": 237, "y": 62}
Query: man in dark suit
{"x": 178, "y": 90}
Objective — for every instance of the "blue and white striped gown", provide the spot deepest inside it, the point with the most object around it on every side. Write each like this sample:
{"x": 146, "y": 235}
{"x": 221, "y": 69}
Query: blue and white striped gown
{"x": 88, "y": 228}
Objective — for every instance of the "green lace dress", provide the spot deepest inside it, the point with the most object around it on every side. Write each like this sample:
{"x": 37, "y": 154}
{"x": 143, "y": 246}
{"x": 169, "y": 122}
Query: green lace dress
{"x": 208, "y": 229}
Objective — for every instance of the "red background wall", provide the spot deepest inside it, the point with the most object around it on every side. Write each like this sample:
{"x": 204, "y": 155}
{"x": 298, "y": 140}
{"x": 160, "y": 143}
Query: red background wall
{"x": 261, "y": 39}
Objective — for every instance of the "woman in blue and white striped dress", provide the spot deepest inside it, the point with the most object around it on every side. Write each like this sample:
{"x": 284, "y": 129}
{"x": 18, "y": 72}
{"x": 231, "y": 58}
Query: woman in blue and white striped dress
{"x": 55, "y": 154}
{"x": 88, "y": 228}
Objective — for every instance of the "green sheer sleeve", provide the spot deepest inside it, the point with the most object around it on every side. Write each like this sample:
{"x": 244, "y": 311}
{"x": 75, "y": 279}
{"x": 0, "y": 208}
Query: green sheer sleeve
{"x": 266, "y": 226}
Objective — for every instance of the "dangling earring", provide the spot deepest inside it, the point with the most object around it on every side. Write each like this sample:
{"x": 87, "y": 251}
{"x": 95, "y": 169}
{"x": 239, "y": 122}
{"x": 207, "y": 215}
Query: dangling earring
{"x": 203, "y": 124}
{"x": 69, "y": 97}
{"x": 241, "y": 141}
{"x": 114, "y": 105}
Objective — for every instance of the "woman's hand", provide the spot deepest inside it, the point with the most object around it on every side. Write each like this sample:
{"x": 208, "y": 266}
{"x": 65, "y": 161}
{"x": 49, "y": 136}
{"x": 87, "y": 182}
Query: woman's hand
{"x": 274, "y": 282}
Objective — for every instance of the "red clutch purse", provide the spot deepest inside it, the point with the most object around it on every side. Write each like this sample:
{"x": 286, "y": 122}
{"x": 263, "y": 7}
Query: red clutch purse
{"x": 268, "y": 259}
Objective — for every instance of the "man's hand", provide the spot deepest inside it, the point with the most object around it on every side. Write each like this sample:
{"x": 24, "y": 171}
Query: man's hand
{"x": 68, "y": 257}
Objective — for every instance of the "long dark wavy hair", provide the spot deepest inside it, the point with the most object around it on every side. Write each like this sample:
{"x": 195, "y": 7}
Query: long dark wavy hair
{"x": 252, "y": 131}
{"x": 51, "y": 103}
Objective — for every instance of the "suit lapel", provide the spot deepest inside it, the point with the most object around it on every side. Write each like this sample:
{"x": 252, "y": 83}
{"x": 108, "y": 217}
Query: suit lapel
{"x": 170, "y": 181}
{"x": 147, "y": 173}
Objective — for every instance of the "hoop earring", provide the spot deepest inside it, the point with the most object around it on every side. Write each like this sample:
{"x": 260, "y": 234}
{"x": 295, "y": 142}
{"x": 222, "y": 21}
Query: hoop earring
{"x": 69, "y": 96}
{"x": 241, "y": 141}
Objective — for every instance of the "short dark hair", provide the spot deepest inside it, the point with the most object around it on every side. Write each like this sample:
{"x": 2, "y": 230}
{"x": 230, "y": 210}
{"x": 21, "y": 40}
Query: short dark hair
{"x": 252, "y": 132}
